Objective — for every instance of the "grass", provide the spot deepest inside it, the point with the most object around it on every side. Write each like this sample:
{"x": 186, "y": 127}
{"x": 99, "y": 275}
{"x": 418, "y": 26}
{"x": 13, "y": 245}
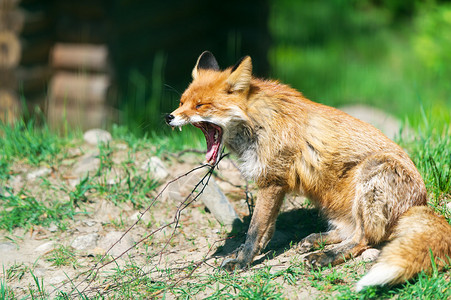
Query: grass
{"x": 26, "y": 141}
{"x": 24, "y": 210}
{"x": 62, "y": 256}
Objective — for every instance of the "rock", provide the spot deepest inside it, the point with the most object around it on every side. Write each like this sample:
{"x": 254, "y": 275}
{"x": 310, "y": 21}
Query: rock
{"x": 112, "y": 237}
{"x": 39, "y": 272}
{"x": 89, "y": 223}
{"x": 43, "y": 248}
{"x": 53, "y": 227}
{"x": 85, "y": 242}
{"x": 139, "y": 216}
{"x": 156, "y": 167}
{"x": 121, "y": 147}
{"x": 97, "y": 251}
{"x": 54, "y": 280}
{"x": 212, "y": 196}
{"x": 16, "y": 182}
{"x": 97, "y": 136}
{"x": 38, "y": 173}
{"x": 218, "y": 204}
{"x": 7, "y": 247}
{"x": 448, "y": 206}
{"x": 370, "y": 254}
{"x": 388, "y": 124}
{"x": 74, "y": 152}
{"x": 111, "y": 181}
{"x": 88, "y": 163}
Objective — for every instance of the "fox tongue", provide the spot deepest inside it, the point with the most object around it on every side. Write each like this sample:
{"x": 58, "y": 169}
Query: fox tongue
{"x": 212, "y": 147}
{"x": 213, "y": 136}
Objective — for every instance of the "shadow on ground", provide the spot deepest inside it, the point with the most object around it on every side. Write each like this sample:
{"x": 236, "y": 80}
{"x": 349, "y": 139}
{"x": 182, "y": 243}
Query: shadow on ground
{"x": 291, "y": 227}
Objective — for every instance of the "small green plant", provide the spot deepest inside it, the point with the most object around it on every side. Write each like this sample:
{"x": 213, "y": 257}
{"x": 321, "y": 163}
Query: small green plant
{"x": 26, "y": 140}
{"x": 105, "y": 153}
{"x": 16, "y": 271}
{"x": 321, "y": 245}
{"x": 5, "y": 291}
{"x": 24, "y": 210}
{"x": 78, "y": 195}
{"x": 39, "y": 293}
{"x": 62, "y": 256}
{"x": 4, "y": 169}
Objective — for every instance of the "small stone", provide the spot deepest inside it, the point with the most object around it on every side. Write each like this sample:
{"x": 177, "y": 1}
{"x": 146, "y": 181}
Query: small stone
{"x": 448, "y": 206}
{"x": 39, "y": 272}
{"x": 16, "y": 180}
{"x": 380, "y": 119}
{"x": 97, "y": 251}
{"x": 7, "y": 247}
{"x": 38, "y": 173}
{"x": 97, "y": 136}
{"x": 74, "y": 152}
{"x": 121, "y": 147}
{"x": 85, "y": 242}
{"x": 139, "y": 216}
{"x": 212, "y": 196}
{"x": 218, "y": 204}
{"x": 89, "y": 223}
{"x": 53, "y": 227}
{"x": 43, "y": 248}
{"x": 125, "y": 242}
{"x": 57, "y": 279}
{"x": 370, "y": 254}
{"x": 156, "y": 167}
{"x": 111, "y": 182}
{"x": 89, "y": 163}
{"x": 74, "y": 182}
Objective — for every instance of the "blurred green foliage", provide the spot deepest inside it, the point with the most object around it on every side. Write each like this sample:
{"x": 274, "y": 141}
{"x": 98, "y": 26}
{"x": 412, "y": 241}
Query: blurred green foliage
{"x": 394, "y": 55}
{"x": 433, "y": 41}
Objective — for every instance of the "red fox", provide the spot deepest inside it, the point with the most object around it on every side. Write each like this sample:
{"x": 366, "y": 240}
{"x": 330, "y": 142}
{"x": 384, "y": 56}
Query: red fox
{"x": 364, "y": 184}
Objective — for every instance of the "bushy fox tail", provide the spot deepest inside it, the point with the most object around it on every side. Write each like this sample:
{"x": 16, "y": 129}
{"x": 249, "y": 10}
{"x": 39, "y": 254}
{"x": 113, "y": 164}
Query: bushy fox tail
{"x": 421, "y": 240}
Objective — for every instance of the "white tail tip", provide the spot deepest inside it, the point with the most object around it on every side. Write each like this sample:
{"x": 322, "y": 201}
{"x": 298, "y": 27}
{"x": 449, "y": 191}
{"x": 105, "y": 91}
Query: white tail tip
{"x": 380, "y": 274}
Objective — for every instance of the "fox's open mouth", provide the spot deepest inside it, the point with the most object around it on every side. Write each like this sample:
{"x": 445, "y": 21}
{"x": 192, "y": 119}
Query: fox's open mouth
{"x": 213, "y": 136}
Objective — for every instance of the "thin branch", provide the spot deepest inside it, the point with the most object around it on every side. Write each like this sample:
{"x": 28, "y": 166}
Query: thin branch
{"x": 90, "y": 275}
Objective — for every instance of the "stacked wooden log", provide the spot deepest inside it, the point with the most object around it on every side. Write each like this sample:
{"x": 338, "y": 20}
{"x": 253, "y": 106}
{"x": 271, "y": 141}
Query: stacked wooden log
{"x": 80, "y": 91}
{"x": 25, "y": 41}
{"x": 80, "y": 86}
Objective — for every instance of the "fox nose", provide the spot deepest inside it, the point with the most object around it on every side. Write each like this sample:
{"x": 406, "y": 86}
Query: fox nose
{"x": 169, "y": 118}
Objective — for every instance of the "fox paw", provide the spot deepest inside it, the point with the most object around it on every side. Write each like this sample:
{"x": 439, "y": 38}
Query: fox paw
{"x": 317, "y": 260}
{"x": 304, "y": 247}
{"x": 232, "y": 264}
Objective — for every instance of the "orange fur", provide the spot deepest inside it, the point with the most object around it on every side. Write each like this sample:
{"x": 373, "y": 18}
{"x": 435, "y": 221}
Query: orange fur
{"x": 363, "y": 182}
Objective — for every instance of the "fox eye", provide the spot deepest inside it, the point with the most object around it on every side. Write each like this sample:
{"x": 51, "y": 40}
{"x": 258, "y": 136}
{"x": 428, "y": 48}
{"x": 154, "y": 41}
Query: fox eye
{"x": 181, "y": 103}
{"x": 199, "y": 105}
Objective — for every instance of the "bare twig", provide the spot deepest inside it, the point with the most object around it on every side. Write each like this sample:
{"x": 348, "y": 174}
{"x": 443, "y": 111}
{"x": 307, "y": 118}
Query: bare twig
{"x": 90, "y": 275}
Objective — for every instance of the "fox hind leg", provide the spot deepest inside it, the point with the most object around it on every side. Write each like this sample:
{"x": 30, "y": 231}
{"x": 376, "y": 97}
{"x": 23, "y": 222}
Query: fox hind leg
{"x": 336, "y": 255}
{"x": 318, "y": 240}
{"x": 385, "y": 188}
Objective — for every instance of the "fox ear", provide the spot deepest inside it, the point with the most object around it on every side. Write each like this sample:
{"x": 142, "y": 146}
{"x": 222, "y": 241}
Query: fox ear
{"x": 241, "y": 74}
{"x": 206, "y": 61}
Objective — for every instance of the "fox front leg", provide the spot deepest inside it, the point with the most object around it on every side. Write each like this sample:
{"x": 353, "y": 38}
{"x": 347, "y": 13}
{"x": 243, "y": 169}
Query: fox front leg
{"x": 261, "y": 229}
